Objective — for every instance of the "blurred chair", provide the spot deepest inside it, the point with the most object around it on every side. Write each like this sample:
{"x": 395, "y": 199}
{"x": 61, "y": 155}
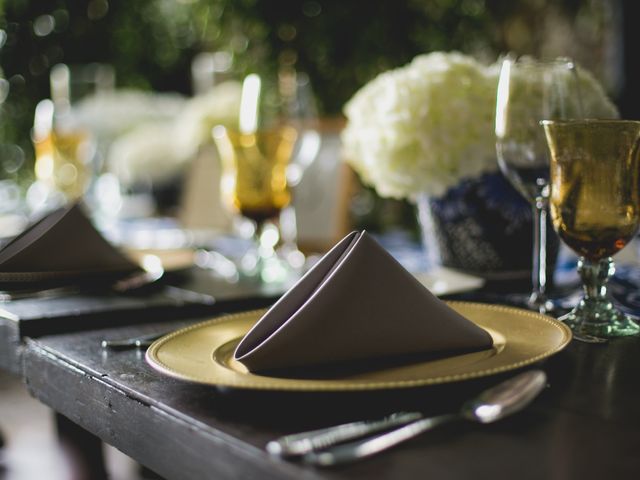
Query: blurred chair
{"x": 201, "y": 205}
{"x": 321, "y": 199}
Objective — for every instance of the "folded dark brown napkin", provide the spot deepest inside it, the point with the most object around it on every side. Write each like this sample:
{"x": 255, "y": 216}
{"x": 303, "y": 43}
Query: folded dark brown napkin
{"x": 357, "y": 303}
{"x": 62, "y": 246}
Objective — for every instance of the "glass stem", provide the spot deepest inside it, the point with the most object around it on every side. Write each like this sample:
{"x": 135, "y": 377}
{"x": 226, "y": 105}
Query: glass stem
{"x": 252, "y": 263}
{"x": 427, "y": 230}
{"x": 539, "y": 272}
{"x": 595, "y": 276}
{"x": 264, "y": 243}
{"x": 596, "y": 315}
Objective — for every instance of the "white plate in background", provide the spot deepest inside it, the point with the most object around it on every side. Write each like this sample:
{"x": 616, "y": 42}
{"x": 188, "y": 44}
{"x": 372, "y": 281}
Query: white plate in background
{"x": 442, "y": 281}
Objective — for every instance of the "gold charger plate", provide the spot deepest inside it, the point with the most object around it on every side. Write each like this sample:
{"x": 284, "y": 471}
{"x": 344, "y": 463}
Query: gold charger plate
{"x": 172, "y": 260}
{"x": 203, "y": 353}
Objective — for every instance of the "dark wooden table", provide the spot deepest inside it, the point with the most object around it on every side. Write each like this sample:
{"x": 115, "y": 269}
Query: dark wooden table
{"x": 586, "y": 424}
{"x": 187, "y": 294}
{"x": 182, "y": 294}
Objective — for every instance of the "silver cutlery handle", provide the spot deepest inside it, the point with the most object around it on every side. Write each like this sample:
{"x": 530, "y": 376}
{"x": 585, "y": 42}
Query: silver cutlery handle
{"x": 370, "y": 446}
{"x": 141, "y": 341}
{"x": 305, "y": 442}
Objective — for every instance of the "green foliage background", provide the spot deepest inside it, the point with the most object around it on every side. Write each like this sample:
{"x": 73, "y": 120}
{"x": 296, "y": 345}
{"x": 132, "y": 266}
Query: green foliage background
{"x": 341, "y": 44}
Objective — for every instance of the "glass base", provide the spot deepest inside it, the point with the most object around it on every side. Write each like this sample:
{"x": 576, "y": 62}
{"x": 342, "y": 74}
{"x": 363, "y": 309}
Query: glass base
{"x": 600, "y": 319}
{"x": 270, "y": 269}
{"x": 540, "y": 303}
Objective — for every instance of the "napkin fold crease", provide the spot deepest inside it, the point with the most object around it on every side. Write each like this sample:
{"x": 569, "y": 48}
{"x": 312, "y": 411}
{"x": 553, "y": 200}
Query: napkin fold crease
{"x": 356, "y": 303}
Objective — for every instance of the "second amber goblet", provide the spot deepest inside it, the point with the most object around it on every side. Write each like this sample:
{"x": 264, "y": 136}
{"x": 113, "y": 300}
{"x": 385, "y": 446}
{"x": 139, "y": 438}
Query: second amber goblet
{"x": 595, "y": 208}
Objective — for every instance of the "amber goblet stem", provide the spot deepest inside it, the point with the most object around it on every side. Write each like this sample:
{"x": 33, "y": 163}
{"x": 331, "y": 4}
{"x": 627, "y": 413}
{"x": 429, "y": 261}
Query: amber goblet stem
{"x": 595, "y": 314}
{"x": 262, "y": 262}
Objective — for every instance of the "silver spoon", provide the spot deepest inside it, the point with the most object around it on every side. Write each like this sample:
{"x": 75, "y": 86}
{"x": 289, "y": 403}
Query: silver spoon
{"x": 491, "y": 405}
{"x": 304, "y": 442}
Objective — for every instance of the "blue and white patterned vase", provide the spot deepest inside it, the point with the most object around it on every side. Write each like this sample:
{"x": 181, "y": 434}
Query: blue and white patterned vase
{"x": 483, "y": 227}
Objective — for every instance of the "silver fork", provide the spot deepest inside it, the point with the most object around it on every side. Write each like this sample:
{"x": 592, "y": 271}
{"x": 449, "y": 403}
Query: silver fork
{"x": 141, "y": 341}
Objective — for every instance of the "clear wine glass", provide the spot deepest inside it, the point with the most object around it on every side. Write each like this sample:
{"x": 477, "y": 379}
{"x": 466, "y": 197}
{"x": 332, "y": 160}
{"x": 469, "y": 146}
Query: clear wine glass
{"x": 529, "y": 91}
{"x": 302, "y": 113}
{"x": 65, "y": 153}
{"x": 255, "y": 158}
{"x": 595, "y": 208}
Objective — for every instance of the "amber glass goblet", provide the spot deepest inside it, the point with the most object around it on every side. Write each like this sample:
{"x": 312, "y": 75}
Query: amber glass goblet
{"x": 595, "y": 209}
{"x": 255, "y": 157}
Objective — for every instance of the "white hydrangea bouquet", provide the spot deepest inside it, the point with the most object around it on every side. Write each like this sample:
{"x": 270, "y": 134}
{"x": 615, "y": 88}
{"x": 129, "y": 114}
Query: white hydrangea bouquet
{"x": 425, "y": 132}
{"x": 424, "y": 127}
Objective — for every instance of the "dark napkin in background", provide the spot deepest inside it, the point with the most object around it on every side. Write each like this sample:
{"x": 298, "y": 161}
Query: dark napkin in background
{"x": 63, "y": 245}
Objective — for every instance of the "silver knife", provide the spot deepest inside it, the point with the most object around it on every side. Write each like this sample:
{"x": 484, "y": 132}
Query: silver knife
{"x": 305, "y": 442}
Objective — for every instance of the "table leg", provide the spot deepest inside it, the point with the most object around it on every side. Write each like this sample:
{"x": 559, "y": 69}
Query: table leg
{"x": 2, "y": 467}
{"x": 83, "y": 450}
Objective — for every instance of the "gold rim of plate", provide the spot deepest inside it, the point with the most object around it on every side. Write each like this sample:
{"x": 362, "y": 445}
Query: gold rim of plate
{"x": 203, "y": 353}
{"x": 172, "y": 259}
